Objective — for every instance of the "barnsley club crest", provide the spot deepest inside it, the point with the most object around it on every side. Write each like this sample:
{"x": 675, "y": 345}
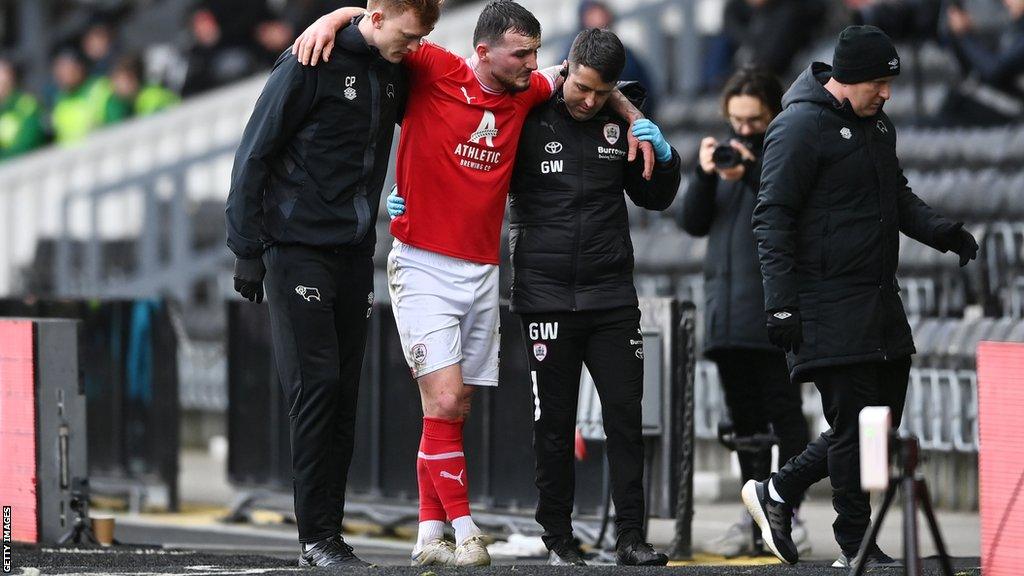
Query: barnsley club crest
{"x": 611, "y": 133}
{"x": 419, "y": 354}
{"x": 540, "y": 351}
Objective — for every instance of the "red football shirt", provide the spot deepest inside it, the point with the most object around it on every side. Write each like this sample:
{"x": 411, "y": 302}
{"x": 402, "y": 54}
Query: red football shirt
{"x": 456, "y": 154}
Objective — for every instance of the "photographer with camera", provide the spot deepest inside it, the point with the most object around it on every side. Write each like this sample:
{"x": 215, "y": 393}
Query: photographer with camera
{"x": 719, "y": 204}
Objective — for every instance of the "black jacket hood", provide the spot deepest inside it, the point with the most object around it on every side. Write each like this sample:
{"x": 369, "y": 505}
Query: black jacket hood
{"x": 810, "y": 87}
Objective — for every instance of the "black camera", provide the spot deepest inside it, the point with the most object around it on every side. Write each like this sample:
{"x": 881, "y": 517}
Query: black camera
{"x": 725, "y": 156}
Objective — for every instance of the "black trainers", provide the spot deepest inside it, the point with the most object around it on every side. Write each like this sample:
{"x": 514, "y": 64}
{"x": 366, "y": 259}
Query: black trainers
{"x": 331, "y": 551}
{"x": 566, "y": 552}
{"x": 875, "y": 558}
{"x": 633, "y": 551}
{"x": 774, "y": 518}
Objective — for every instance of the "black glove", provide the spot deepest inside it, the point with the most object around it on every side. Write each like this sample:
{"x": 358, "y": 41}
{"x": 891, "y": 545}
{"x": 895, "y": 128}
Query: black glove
{"x": 249, "y": 278}
{"x": 785, "y": 330}
{"x": 967, "y": 248}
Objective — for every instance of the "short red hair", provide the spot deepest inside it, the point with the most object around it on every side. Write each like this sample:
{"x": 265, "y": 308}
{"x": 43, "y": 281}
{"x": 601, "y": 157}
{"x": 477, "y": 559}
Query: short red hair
{"x": 427, "y": 11}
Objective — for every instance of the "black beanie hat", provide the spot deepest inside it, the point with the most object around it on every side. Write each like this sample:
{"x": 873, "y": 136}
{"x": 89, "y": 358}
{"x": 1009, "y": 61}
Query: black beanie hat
{"x": 864, "y": 53}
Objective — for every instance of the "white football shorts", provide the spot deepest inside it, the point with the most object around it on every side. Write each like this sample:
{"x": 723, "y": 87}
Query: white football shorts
{"x": 447, "y": 312}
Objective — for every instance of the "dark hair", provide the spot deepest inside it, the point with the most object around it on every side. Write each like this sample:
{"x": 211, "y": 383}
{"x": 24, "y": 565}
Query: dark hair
{"x": 501, "y": 16}
{"x": 69, "y": 50}
{"x": 129, "y": 64}
{"x": 600, "y": 50}
{"x": 756, "y": 82}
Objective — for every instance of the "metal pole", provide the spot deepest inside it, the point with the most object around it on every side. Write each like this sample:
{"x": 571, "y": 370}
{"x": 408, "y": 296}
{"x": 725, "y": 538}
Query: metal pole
{"x": 911, "y": 557}
{"x": 378, "y": 365}
{"x": 933, "y": 525}
{"x": 682, "y": 430}
{"x": 93, "y": 251}
{"x": 148, "y": 252}
{"x": 62, "y": 260}
{"x": 872, "y": 535}
{"x": 181, "y": 239}
{"x": 911, "y": 553}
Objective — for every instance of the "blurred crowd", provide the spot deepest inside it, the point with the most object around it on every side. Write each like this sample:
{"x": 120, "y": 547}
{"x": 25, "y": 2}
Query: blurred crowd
{"x": 984, "y": 37}
{"x": 95, "y": 78}
{"x": 91, "y": 84}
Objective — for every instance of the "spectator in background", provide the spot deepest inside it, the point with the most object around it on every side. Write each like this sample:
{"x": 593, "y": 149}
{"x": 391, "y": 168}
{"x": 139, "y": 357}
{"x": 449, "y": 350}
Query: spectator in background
{"x": 300, "y": 14}
{"x": 131, "y": 96}
{"x": 98, "y": 45}
{"x": 597, "y": 14}
{"x": 21, "y": 126}
{"x": 769, "y": 33}
{"x": 212, "y": 60}
{"x": 252, "y": 25}
{"x": 719, "y": 204}
{"x": 232, "y": 39}
{"x": 993, "y": 92}
{"x": 899, "y": 19}
{"x": 82, "y": 101}
{"x": 272, "y": 37}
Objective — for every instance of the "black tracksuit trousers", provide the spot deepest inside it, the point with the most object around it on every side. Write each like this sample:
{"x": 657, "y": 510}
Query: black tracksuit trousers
{"x": 610, "y": 343}
{"x": 845, "y": 390}
{"x": 758, "y": 392}
{"x": 320, "y": 301}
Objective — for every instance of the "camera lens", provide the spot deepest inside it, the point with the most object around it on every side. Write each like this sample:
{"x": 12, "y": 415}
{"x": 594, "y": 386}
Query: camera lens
{"x": 725, "y": 156}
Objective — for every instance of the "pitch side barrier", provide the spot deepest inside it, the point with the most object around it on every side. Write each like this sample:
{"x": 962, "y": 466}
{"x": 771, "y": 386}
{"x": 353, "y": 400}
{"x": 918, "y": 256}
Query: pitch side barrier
{"x": 127, "y": 373}
{"x": 498, "y": 433}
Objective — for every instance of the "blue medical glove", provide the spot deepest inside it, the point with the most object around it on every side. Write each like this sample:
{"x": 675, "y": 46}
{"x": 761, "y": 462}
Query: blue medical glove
{"x": 395, "y": 204}
{"x": 648, "y": 131}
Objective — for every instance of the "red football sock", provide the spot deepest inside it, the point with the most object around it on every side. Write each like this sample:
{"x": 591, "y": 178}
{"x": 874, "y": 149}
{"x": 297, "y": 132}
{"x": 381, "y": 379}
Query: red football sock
{"x": 441, "y": 453}
{"x": 430, "y": 504}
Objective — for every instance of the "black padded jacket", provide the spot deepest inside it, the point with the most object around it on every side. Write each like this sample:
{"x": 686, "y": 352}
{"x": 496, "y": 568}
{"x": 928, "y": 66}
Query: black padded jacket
{"x": 569, "y": 230}
{"x": 832, "y": 203}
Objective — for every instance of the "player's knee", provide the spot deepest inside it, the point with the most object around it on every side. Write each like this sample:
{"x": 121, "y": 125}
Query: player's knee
{"x": 447, "y": 406}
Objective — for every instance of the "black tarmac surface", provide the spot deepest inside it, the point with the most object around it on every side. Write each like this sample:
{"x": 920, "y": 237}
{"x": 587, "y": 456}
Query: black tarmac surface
{"x": 158, "y": 561}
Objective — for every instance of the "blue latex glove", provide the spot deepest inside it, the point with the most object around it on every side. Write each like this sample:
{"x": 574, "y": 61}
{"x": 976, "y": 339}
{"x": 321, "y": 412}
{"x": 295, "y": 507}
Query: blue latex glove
{"x": 647, "y": 131}
{"x": 395, "y": 203}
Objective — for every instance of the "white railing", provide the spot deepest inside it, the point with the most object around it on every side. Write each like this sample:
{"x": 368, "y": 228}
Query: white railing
{"x": 34, "y": 189}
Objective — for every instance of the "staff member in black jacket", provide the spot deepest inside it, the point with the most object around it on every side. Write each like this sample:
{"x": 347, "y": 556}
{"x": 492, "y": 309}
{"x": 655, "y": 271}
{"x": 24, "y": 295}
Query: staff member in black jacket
{"x": 832, "y": 204}
{"x": 572, "y": 267}
{"x": 719, "y": 204}
{"x": 302, "y": 210}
